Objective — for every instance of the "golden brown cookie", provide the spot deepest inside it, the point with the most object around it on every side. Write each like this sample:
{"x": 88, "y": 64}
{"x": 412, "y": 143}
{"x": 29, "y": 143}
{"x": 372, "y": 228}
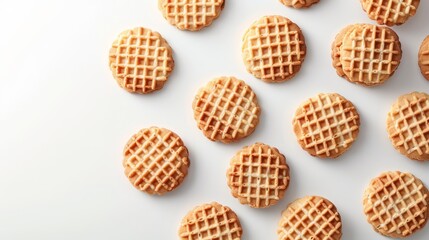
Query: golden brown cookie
{"x": 141, "y": 60}
{"x": 370, "y": 54}
{"x": 408, "y": 125}
{"x": 390, "y": 12}
{"x": 156, "y": 160}
{"x": 336, "y": 45}
{"x": 192, "y": 15}
{"x": 209, "y": 222}
{"x": 258, "y": 175}
{"x": 299, "y": 3}
{"x": 396, "y": 204}
{"x": 273, "y": 49}
{"x": 326, "y": 125}
{"x": 424, "y": 58}
{"x": 226, "y": 110}
{"x": 310, "y": 218}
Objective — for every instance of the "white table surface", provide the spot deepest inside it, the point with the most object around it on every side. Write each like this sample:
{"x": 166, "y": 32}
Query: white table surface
{"x": 64, "y": 121}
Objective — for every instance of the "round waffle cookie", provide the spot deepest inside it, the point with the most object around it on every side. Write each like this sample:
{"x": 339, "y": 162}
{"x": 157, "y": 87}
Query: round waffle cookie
{"x": 211, "y": 221}
{"x": 326, "y": 125}
{"x": 370, "y": 54}
{"x": 299, "y": 3}
{"x": 273, "y": 49}
{"x": 408, "y": 125}
{"x": 192, "y": 15}
{"x": 310, "y": 218}
{"x": 258, "y": 175}
{"x": 396, "y": 204}
{"x": 424, "y": 58}
{"x": 141, "y": 60}
{"x": 156, "y": 160}
{"x": 390, "y": 12}
{"x": 226, "y": 110}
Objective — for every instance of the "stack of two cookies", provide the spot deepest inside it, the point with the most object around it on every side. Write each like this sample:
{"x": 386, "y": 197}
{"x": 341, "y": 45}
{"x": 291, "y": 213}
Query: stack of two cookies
{"x": 366, "y": 54}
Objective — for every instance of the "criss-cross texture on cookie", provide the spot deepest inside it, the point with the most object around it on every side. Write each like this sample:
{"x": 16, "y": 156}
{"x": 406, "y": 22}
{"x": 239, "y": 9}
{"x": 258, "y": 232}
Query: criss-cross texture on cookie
{"x": 326, "y": 125}
{"x": 390, "y": 12}
{"x": 156, "y": 160}
{"x": 141, "y": 60}
{"x": 310, "y": 218}
{"x": 258, "y": 175}
{"x": 226, "y": 109}
{"x": 396, "y": 204}
{"x": 370, "y": 54}
{"x": 191, "y": 14}
{"x": 274, "y": 49}
{"x": 210, "y": 222}
{"x": 424, "y": 58}
{"x": 408, "y": 125}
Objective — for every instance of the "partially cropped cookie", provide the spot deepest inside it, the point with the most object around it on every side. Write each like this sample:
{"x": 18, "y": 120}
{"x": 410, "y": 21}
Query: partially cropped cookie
{"x": 191, "y": 15}
{"x": 210, "y": 221}
{"x": 424, "y": 58}
{"x": 396, "y": 204}
{"x": 369, "y": 54}
{"x": 273, "y": 49}
{"x": 299, "y": 3}
{"x": 310, "y": 218}
{"x": 226, "y": 110}
{"x": 390, "y": 12}
{"x": 336, "y": 46}
{"x": 258, "y": 175}
{"x": 141, "y": 60}
{"x": 156, "y": 161}
{"x": 408, "y": 125}
{"x": 326, "y": 125}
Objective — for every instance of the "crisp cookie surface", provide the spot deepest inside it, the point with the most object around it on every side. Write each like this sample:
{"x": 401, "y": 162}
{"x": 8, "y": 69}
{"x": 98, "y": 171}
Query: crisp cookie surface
{"x": 141, "y": 60}
{"x": 408, "y": 125}
{"x": 326, "y": 125}
{"x": 370, "y": 54}
{"x": 336, "y": 46}
{"x": 390, "y": 12}
{"x": 258, "y": 175}
{"x": 273, "y": 49}
{"x": 210, "y": 222}
{"x": 156, "y": 160}
{"x": 191, "y": 15}
{"x": 299, "y": 3}
{"x": 424, "y": 58}
{"x": 396, "y": 204}
{"x": 226, "y": 109}
{"x": 310, "y": 218}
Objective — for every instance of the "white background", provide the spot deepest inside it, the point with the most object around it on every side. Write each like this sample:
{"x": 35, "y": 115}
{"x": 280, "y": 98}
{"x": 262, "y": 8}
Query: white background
{"x": 64, "y": 120}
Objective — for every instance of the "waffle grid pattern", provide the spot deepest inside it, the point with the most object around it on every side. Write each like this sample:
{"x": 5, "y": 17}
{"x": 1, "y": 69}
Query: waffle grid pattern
{"x": 155, "y": 160}
{"x": 391, "y": 11}
{"x": 314, "y": 218}
{"x": 336, "y": 46}
{"x": 412, "y": 125}
{"x": 328, "y": 123}
{"x": 259, "y": 175}
{"x": 141, "y": 60}
{"x": 211, "y": 223}
{"x": 192, "y": 14}
{"x": 275, "y": 50}
{"x": 398, "y": 204}
{"x": 371, "y": 54}
{"x": 227, "y": 108}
